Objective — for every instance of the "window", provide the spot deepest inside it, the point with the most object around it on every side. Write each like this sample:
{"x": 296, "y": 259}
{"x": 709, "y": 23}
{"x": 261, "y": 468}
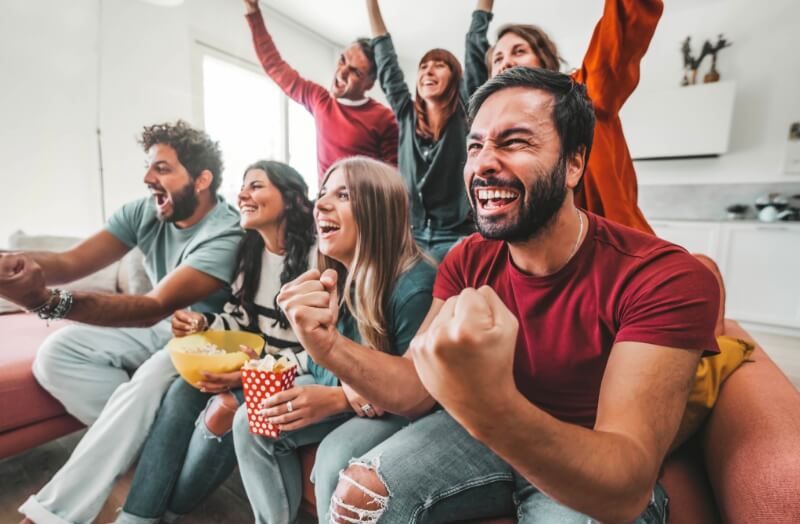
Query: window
{"x": 303, "y": 145}
{"x": 253, "y": 120}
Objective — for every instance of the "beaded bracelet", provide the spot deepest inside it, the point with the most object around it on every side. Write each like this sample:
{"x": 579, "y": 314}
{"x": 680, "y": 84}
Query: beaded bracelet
{"x": 46, "y": 304}
{"x": 58, "y": 310}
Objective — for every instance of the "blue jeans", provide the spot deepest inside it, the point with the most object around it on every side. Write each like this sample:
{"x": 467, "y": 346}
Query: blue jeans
{"x": 182, "y": 462}
{"x": 271, "y": 470}
{"x": 435, "y": 471}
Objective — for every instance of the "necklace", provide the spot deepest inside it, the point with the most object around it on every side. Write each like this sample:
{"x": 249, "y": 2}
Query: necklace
{"x": 577, "y": 240}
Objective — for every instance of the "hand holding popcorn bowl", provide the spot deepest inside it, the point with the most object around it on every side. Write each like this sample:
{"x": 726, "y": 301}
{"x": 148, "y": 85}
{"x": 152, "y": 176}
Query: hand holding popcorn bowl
{"x": 211, "y": 352}
{"x": 262, "y": 379}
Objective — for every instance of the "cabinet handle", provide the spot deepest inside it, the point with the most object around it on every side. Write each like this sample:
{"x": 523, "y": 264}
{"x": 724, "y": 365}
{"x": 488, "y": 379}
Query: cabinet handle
{"x": 772, "y": 228}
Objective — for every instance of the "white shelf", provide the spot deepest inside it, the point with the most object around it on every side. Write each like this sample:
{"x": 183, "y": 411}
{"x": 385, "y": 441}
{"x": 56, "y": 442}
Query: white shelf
{"x": 691, "y": 121}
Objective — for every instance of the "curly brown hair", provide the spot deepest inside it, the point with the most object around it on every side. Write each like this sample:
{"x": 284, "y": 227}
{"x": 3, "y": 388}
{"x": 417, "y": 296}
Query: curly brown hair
{"x": 195, "y": 149}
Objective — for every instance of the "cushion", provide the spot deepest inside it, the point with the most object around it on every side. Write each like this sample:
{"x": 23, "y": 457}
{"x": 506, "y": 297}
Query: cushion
{"x": 22, "y": 400}
{"x": 132, "y": 278}
{"x": 711, "y": 373}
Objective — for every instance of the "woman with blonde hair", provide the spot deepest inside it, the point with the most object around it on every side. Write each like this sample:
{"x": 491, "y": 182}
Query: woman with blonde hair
{"x": 374, "y": 291}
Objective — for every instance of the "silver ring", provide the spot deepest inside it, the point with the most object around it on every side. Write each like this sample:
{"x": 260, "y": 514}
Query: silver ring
{"x": 366, "y": 408}
{"x": 289, "y": 407}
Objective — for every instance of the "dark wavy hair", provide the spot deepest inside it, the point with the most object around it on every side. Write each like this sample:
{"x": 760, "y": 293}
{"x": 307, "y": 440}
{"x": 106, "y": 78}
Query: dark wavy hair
{"x": 300, "y": 235}
{"x": 195, "y": 149}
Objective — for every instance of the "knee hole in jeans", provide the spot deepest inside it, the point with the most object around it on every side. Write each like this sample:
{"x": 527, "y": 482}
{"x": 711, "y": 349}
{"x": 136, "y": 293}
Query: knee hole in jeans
{"x": 361, "y": 495}
{"x": 219, "y": 414}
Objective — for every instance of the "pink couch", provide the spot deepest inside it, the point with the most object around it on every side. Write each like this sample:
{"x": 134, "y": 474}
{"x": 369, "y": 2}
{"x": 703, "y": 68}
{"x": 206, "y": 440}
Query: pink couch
{"x": 744, "y": 466}
{"x": 29, "y": 416}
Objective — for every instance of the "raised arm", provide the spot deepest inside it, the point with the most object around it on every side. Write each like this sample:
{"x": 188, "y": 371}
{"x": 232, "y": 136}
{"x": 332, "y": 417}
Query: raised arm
{"x": 476, "y": 46}
{"x": 22, "y": 281}
{"x": 376, "y": 23}
{"x": 610, "y": 68}
{"x": 385, "y": 380}
{"x": 466, "y": 359}
{"x": 296, "y": 87}
{"x": 91, "y": 255}
{"x": 389, "y": 73}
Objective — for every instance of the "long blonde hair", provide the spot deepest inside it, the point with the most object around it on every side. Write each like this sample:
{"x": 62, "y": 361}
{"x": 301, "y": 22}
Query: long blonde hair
{"x": 385, "y": 248}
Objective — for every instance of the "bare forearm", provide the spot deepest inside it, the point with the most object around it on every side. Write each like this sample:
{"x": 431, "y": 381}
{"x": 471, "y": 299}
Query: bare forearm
{"x": 100, "y": 309}
{"x": 56, "y": 269}
{"x": 376, "y": 19}
{"x": 485, "y": 5}
{"x": 388, "y": 381}
{"x": 607, "y": 476}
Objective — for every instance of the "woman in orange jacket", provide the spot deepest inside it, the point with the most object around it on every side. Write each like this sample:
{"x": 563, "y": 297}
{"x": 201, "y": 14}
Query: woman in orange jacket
{"x": 610, "y": 71}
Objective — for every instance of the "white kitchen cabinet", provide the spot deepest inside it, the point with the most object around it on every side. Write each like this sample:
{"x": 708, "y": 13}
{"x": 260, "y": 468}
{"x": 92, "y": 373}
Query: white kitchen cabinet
{"x": 760, "y": 264}
{"x": 695, "y": 237}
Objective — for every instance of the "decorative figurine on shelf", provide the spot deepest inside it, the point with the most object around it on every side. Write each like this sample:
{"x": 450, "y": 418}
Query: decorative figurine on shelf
{"x": 692, "y": 64}
{"x": 713, "y": 74}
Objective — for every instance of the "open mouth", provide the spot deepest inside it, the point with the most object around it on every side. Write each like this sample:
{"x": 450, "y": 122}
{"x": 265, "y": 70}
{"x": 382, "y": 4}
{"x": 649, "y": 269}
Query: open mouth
{"x": 492, "y": 199}
{"x": 327, "y": 228}
{"x": 161, "y": 198}
{"x": 338, "y": 82}
{"x": 246, "y": 210}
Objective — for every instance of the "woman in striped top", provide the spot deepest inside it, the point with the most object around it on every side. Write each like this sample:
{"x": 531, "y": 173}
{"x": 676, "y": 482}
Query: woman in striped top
{"x": 189, "y": 451}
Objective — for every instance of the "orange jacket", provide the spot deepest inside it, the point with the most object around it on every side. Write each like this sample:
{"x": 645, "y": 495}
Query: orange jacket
{"x": 610, "y": 71}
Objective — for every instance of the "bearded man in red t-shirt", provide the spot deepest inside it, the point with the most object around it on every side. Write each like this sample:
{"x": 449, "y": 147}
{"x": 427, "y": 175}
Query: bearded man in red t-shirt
{"x": 562, "y": 346}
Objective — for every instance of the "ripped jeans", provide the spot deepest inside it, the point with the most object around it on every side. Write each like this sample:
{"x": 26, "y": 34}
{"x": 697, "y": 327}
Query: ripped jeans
{"x": 434, "y": 471}
{"x": 271, "y": 470}
{"x": 181, "y": 463}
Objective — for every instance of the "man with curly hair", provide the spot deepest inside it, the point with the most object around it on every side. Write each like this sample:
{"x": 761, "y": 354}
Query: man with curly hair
{"x": 189, "y": 236}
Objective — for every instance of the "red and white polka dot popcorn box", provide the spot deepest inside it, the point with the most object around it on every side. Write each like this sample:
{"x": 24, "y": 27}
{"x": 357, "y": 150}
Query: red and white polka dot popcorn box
{"x": 259, "y": 384}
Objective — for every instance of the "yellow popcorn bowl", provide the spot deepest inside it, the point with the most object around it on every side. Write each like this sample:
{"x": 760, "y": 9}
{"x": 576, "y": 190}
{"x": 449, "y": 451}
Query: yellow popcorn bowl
{"x": 191, "y": 365}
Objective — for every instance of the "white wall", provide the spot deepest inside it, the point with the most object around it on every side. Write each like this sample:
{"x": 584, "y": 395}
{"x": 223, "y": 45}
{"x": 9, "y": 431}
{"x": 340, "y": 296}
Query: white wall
{"x": 148, "y": 70}
{"x": 50, "y": 103}
{"x": 763, "y": 62}
{"x": 48, "y": 110}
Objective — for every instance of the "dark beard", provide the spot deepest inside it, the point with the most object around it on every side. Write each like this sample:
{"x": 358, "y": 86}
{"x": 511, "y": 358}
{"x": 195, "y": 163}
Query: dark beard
{"x": 541, "y": 202}
{"x": 184, "y": 203}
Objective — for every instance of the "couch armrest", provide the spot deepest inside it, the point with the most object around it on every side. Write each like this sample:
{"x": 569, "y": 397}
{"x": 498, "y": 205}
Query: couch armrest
{"x": 752, "y": 442}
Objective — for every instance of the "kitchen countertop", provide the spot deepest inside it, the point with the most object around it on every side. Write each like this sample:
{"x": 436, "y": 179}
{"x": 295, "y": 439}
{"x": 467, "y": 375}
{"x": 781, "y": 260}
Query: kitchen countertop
{"x": 793, "y": 223}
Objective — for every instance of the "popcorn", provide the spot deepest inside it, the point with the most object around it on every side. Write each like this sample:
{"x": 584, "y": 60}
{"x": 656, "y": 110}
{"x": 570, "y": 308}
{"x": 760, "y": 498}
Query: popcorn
{"x": 262, "y": 379}
{"x": 205, "y": 348}
{"x": 269, "y": 363}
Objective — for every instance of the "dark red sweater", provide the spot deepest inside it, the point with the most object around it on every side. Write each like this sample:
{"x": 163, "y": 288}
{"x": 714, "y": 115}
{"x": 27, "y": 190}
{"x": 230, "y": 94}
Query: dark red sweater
{"x": 342, "y": 131}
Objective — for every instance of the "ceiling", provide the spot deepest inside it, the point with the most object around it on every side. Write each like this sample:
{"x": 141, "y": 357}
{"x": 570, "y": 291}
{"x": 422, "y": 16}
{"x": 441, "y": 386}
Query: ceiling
{"x": 419, "y": 25}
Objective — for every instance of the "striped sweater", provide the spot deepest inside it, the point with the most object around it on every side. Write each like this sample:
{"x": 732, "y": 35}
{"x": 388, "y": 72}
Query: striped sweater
{"x": 280, "y": 341}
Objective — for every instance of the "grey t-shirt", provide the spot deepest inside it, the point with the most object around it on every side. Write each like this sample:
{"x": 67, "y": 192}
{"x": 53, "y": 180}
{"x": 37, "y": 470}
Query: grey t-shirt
{"x": 208, "y": 246}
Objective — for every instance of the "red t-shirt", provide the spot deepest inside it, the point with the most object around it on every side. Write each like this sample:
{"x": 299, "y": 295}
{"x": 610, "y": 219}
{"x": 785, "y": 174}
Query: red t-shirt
{"x": 621, "y": 285}
{"x": 369, "y": 129}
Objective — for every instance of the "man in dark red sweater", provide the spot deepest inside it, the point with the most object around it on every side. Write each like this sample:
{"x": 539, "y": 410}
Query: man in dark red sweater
{"x": 348, "y": 123}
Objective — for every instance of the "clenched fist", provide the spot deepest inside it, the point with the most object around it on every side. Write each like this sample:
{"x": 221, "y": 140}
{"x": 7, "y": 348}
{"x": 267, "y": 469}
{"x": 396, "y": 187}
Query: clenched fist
{"x": 311, "y": 303}
{"x": 465, "y": 358}
{"x": 22, "y": 280}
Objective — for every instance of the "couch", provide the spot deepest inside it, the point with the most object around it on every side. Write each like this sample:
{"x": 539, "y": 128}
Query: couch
{"x": 742, "y": 466}
{"x": 29, "y": 416}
